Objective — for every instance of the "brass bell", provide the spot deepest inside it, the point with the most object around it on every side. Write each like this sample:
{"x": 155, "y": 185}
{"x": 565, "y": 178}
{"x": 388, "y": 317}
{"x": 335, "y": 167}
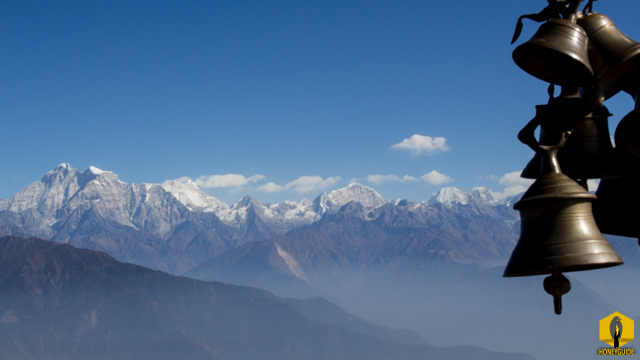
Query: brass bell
{"x": 627, "y": 133}
{"x": 611, "y": 217}
{"x": 558, "y": 232}
{"x": 614, "y": 57}
{"x": 588, "y": 153}
{"x": 557, "y": 53}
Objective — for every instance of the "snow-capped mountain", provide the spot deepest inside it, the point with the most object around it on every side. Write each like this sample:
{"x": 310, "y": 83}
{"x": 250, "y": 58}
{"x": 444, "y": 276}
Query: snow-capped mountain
{"x": 64, "y": 192}
{"x": 174, "y": 226}
{"x": 190, "y": 195}
{"x": 449, "y": 196}
{"x": 364, "y": 195}
{"x": 140, "y": 223}
{"x": 280, "y": 218}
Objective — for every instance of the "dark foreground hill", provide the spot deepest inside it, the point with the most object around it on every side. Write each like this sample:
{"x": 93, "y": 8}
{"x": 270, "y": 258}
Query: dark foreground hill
{"x": 60, "y": 302}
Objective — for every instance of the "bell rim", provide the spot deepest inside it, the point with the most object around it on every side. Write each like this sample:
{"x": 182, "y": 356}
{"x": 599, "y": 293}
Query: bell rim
{"x": 562, "y": 269}
{"x": 563, "y": 196}
{"x": 579, "y": 70}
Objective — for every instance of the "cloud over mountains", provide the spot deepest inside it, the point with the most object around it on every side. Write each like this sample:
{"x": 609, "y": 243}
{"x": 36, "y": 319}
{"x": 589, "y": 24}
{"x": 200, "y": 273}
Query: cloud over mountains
{"x": 422, "y": 145}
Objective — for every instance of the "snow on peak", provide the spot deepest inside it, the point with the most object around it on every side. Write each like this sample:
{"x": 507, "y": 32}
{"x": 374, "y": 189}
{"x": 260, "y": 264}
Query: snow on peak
{"x": 245, "y": 202}
{"x": 482, "y": 195}
{"x": 64, "y": 167}
{"x": 321, "y": 204}
{"x": 306, "y": 203}
{"x": 359, "y": 193}
{"x": 448, "y": 196}
{"x": 190, "y": 195}
{"x": 94, "y": 170}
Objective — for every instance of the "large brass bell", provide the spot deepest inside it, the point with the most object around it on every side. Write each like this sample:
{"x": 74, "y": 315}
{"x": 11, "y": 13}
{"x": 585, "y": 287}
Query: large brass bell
{"x": 613, "y": 218}
{"x": 614, "y": 57}
{"x": 558, "y": 232}
{"x": 557, "y": 53}
{"x": 588, "y": 153}
{"x": 628, "y": 132}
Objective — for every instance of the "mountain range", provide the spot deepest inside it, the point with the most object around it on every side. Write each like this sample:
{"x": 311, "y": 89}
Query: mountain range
{"x": 432, "y": 266}
{"x": 175, "y": 226}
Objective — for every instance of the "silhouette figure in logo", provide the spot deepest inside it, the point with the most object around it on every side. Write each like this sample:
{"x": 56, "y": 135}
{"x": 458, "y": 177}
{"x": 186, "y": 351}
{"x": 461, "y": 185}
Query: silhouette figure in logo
{"x": 615, "y": 328}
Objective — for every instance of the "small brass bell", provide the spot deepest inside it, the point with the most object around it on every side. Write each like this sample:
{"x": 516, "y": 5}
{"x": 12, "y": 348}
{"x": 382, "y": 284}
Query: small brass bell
{"x": 557, "y": 53}
{"x": 588, "y": 153}
{"x": 614, "y": 57}
{"x": 557, "y": 231}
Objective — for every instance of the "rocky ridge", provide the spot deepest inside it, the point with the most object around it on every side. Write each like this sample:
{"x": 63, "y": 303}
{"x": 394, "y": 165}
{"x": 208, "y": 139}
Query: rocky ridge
{"x": 175, "y": 226}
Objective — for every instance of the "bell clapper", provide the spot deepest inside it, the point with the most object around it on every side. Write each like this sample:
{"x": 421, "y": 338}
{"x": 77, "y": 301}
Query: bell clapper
{"x": 557, "y": 285}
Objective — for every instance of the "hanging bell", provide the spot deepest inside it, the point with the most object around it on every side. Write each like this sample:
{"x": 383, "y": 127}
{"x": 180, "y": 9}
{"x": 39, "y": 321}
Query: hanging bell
{"x": 612, "y": 217}
{"x": 614, "y": 57}
{"x": 558, "y": 232}
{"x": 588, "y": 153}
{"x": 557, "y": 53}
{"x": 627, "y": 133}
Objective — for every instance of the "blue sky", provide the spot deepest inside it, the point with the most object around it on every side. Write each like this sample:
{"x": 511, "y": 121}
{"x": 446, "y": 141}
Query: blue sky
{"x": 292, "y": 97}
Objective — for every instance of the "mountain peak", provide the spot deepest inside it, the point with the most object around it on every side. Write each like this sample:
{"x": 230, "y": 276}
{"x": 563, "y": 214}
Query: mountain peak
{"x": 364, "y": 195}
{"x": 246, "y": 201}
{"x": 449, "y": 196}
{"x": 321, "y": 204}
{"x": 63, "y": 166}
{"x": 190, "y": 195}
{"x": 94, "y": 170}
{"x": 482, "y": 195}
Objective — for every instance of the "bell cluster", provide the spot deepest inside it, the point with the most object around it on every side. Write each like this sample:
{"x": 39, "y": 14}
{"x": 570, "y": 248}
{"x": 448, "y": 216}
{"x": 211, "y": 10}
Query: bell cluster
{"x": 562, "y": 224}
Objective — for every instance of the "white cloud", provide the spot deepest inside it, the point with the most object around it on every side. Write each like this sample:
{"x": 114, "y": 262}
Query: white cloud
{"x": 305, "y": 184}
{"x": 301, "y": 185}
{"x": 508, "y": 191}
{"x": 435, "y": 178}
{"x": 408, "y": 178}
{"x": 513, "y": 179}
{"x": 514, "y": 185}
{"x": 422, "y": 145}
{"x": 228, "y": 180}
{"x": 270, "y": 187}
{"x": 183, "y": 179}
{"x": 379, "y": 179}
